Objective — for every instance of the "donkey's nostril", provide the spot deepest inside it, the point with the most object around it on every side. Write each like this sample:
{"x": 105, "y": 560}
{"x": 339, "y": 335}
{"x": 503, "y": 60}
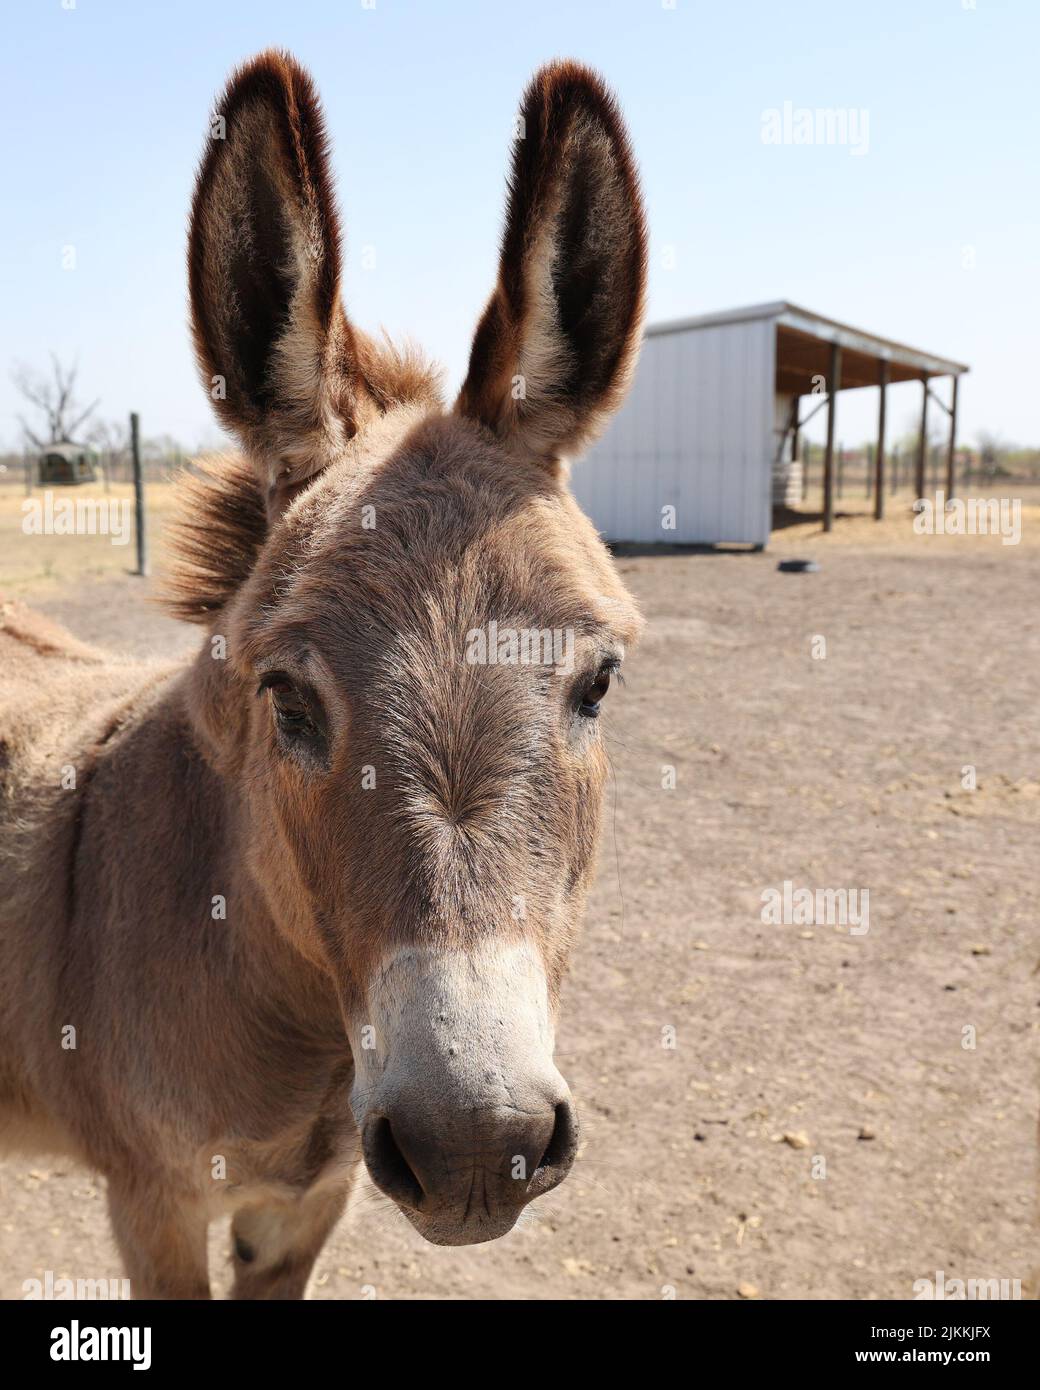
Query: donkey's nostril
{"x": 388, "y": 1166}
{"x": 563, "y": 1142}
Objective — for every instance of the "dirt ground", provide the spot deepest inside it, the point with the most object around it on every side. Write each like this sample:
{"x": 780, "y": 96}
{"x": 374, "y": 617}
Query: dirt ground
{"x": 819, "y": 1128}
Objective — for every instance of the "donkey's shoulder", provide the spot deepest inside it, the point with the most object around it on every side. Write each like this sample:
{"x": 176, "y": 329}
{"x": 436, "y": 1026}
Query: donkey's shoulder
{"x": 26, "y": 637}
{"x": 59, "y": 698}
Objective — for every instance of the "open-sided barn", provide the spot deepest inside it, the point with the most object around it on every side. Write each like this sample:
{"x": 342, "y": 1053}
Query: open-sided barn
{"x": 715, "y": 412}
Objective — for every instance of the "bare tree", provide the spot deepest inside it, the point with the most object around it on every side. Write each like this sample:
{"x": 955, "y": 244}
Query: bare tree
{"x": 991, "y": 451}
{"x": 54, "y": 396}
{"x": 109, "y": 436}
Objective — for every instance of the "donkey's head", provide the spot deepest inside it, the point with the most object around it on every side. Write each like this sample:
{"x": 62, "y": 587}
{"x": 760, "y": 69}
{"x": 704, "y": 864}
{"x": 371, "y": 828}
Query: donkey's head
{"x": 421, "y": 626}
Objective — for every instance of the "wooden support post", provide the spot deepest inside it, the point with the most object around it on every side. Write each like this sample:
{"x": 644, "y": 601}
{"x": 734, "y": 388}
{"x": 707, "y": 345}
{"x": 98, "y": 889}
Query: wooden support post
{"x": 796, "y": 405}
{"x": 135, "y": 451}
{"x": 833, "y": 387}
{"x": 951, "y": 466}
{"x": 922, "y": 443}
{"x": 879, "y": 457}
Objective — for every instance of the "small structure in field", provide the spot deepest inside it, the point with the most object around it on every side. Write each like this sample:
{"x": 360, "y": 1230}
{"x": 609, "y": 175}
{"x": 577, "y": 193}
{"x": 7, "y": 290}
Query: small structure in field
{"x": 66, "y": 463}
{"x": 710, "y": 429}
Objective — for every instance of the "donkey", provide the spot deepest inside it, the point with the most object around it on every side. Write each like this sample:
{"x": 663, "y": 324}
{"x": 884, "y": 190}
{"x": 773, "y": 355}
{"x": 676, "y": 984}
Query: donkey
{"x": 306, "y": 901}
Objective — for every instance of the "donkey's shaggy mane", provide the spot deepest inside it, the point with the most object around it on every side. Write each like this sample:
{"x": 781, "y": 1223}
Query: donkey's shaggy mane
{"x": 218, "y": 528}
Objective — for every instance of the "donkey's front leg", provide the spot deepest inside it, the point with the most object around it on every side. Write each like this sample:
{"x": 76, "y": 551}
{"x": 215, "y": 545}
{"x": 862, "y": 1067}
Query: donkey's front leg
{"x": 162, "y": 1239}
{"x": 276, "y": 1243}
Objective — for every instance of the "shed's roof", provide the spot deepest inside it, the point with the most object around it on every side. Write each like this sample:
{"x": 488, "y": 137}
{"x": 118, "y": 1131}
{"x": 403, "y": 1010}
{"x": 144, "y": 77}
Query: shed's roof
{"x": 67, "y": 448}
{"x": 804, "y": 341}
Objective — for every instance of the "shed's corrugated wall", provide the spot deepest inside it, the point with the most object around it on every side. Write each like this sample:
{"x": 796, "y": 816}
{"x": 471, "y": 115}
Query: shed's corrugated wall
{"x": 696, "y": 434}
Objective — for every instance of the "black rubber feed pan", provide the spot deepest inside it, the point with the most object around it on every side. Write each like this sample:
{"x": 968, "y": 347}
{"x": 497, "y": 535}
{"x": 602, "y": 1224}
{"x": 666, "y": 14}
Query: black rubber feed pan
{"x": 798, "y": 566}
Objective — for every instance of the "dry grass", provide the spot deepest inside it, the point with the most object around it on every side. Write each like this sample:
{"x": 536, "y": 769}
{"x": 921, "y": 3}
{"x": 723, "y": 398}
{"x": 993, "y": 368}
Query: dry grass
{"x": 855, "y": 524}
{"x": 44, "y": 565}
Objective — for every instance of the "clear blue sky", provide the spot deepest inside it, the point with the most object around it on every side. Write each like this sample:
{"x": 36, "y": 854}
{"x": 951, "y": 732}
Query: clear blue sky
{"x": 931, "y": 236}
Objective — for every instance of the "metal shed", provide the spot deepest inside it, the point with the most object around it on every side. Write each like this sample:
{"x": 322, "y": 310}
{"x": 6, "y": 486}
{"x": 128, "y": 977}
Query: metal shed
{"x": 715, "y": 410}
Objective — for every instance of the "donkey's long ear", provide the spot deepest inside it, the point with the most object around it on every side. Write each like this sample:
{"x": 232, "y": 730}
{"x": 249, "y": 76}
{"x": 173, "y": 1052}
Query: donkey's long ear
{"x": 557, "y": 344}
{"x": 273, "y": 344}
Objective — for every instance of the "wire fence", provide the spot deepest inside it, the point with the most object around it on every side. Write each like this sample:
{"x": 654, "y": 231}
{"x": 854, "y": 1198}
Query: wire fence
{"x": 111, "y": 466}
{"x": 854, "y": 471}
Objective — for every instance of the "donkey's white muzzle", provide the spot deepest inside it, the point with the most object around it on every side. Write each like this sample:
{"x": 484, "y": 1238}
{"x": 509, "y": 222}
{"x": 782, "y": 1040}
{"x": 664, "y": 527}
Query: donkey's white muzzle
{"x": 463, "y": 1115}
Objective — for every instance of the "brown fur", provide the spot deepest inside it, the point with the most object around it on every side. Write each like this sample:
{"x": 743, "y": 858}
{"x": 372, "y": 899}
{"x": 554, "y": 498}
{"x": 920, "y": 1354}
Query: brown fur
{"x": 213, "y": 1055}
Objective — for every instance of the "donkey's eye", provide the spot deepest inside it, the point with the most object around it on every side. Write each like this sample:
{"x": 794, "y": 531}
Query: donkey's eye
{"x": 294, "y": 712}
{"x": 594, "y": 693}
